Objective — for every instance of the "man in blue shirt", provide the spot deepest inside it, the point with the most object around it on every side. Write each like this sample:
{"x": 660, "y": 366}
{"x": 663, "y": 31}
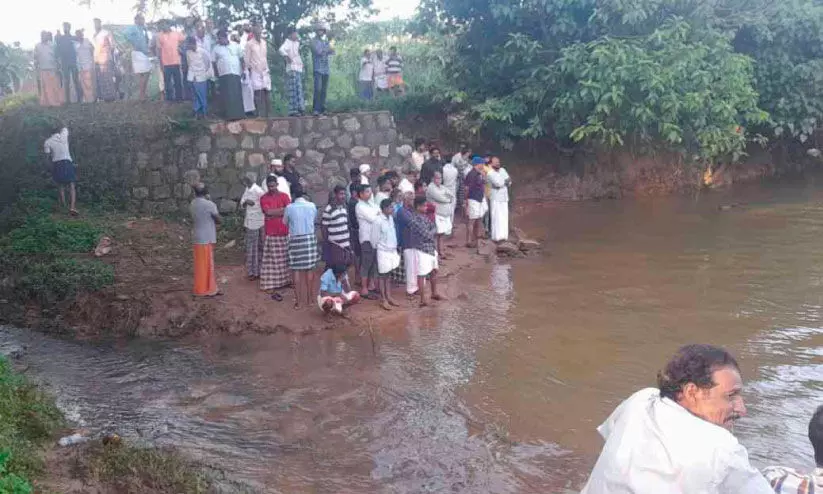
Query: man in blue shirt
{"x": 300, "y": 217}
{"x": 320, "y": 51}
{"x": 141, "y": 64}
{"x": 335, "y": 291}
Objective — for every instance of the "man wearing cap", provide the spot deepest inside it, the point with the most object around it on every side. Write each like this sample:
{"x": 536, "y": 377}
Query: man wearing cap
{"x": 320, "y": 51}
{"x": 277, "y": 170}
{"x": 365, "y": 172}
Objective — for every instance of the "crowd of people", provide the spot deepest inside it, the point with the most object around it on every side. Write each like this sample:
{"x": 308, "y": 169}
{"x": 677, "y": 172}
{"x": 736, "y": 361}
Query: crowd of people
{"x": 198, "y": 63}
{"x": 678, "y": 437}
{"x": 386, "y": 230}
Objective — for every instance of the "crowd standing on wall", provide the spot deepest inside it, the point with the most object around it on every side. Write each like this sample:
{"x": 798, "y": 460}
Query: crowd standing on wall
{"x": 231, "y": 68}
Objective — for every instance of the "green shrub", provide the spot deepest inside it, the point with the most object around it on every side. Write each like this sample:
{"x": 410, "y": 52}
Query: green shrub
{"x": 28, "y": 418}
{"x": 53, "y": 281}
{"x": 11, "y": 483}
{"x": 44, "y": 234}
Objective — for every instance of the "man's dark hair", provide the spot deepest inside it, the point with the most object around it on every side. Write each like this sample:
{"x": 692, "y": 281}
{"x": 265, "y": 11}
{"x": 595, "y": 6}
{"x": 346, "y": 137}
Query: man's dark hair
{"x": 339, "y": 269}
{"x": 270, "y": 178}
{"x": 382, "y": 179}
{"x": 290, "y": 31}
{"x": 419, "y": 142}
{"x": 223, "y": 34}
{"x": 297, "y": 191}
{"x": 354, "y": 174}
{"x": 287, "y": 158}
{"x": 433, "y": 149}
{"x": 385, "y": 203}
{"x": 391, "y": 174}
{"x": 418, "y": 201}
{"x": 200, "y": 190}
{"x": 339, "y": 188}
{"x": 361, "y": 188}
{"x": 816, "y": 435}
{"x": 693, "y": 364}
{"x": 393, "y": 48}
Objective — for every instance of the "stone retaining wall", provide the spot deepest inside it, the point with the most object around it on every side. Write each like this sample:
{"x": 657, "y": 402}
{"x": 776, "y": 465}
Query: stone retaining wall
{"x": 326, "y": 148}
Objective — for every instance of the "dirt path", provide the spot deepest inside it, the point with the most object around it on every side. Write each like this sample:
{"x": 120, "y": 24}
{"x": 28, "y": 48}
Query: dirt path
{"x": 152, "y": 294}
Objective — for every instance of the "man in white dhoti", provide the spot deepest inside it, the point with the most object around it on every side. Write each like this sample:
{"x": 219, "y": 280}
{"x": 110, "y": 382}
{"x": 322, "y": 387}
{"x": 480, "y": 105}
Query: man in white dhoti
{"x": 500, "y": 181}
{"x": 677, "y": 438}
{"x": 443, "y": 200}
{"x": 450, "y": 178}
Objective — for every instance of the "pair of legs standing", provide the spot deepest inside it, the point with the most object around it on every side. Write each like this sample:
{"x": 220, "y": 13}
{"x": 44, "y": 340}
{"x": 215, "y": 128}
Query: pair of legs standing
{"x": 294, "y": 90}
{"x": 72, "y": 197}
{"x": 304, "y": 287}
{"x": 200, "y": 98}
{"x": 173, "y": 83}
{"x": 72, "y": 75}
{"x": 321, "y": 87}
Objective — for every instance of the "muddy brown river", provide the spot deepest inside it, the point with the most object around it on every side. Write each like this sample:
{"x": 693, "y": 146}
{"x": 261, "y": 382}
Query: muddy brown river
{"x": 501, "y": 390}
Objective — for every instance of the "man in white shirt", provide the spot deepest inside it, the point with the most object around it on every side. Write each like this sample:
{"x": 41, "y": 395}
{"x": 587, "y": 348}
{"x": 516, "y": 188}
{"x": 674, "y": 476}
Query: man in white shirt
{"x": 676, "y": 438}
{"x": 365, "y": 79}
{"x": 420, "y": 154}
{"x": 450, "y": 179}
{"x": 409, "y": 179}
{"x": 500, "y": 181}
{"x": 381, "y": 78}
{"x": 290, "y": 51}
{"x": 63, "y": 168}
{"x": 367, "y": 215}
{"x": 277, "y": 169}
{"x": 228, "y": 60}
{"x": 254, "y": 222}
{"x": 85, "y": 65}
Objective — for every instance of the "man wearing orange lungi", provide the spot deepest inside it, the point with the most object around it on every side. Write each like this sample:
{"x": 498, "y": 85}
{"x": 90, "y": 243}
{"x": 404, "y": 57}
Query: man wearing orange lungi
{"x": 85, "y": 66}
{"x": 206, "y": 217}
{"x": 45, "y": 60}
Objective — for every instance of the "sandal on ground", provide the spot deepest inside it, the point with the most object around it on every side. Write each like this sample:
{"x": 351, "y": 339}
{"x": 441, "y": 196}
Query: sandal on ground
{"x": 386, "y": 306}
{"x": 73, "y": 212}
{"x": 276, "y": 297}
{"x": 370, "y": 296}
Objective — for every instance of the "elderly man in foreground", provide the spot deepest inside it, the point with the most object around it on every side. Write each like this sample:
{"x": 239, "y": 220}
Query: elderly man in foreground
{"x": 677, "y": 438}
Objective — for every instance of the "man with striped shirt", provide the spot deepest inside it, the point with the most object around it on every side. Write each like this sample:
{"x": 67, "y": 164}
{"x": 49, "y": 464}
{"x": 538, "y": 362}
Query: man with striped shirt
{"x": 335, "y": 221}
{"x": 394, "y": 71}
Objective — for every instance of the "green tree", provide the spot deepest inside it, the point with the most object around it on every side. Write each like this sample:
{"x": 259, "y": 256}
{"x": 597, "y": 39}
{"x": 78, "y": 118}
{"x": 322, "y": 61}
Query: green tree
{"x": 15, "y": 66}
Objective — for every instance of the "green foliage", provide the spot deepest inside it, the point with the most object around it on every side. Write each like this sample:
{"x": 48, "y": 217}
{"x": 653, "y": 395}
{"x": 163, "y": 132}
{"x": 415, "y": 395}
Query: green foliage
{"x": 28, "y": 418}
{"x": 666, "y": 87}
{"x": 50, "y": 281}
{"x": 11, "y": 483}
{"x": 15, "y": 66}
{"x": 44, "y": 234}
{"x": 684, "y": 74}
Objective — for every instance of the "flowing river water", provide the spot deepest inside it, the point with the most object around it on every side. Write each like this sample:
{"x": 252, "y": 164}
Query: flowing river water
{"x": 501, "y": 390}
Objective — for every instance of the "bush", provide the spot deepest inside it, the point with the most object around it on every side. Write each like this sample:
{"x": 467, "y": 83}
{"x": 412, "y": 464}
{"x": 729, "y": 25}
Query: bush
{"x": 57, "y": 280}
{"x": 28, "y": 418}
{"x": 44, "y": 234}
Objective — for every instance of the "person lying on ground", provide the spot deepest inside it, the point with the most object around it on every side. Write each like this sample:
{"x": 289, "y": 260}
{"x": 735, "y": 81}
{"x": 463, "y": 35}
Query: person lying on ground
{"x": 336, "y": 294}
{"x": 677, "y": 438}
{"x": 790, "y": 481}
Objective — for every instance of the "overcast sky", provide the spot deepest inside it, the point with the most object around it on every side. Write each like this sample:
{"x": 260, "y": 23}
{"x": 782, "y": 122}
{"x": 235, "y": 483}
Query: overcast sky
{"x": 24, "y": 22}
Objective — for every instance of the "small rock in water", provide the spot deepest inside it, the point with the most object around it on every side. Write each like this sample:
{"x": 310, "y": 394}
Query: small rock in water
{"x": 528, "y": 244}
{"x": 507, "y": 248}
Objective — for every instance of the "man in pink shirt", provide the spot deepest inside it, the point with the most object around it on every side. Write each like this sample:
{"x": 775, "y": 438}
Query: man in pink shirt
{"x": 167, "y": 47}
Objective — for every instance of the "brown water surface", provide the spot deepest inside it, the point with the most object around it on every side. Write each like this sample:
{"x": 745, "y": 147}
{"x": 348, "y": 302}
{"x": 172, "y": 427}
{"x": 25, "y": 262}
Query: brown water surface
{"x": 499, "y": 390}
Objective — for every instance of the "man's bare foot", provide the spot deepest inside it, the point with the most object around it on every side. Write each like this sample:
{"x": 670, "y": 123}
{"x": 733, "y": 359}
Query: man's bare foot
{"x": 385, "y": 305}
{"x": 438, "y": 297}
{"x": 471, "y": 245}
{"x": 393, "y": 303}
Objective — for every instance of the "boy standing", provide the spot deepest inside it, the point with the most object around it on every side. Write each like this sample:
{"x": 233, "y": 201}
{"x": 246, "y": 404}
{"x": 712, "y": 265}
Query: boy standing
{"x": 63, "y": 169}
{"x": 387, "y": 257}
{"x": 421, "y": 243}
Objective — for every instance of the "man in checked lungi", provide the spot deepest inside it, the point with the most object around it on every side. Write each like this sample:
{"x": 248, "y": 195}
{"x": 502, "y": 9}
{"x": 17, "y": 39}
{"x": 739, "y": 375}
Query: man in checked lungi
{"x": 303, "y": 252}
{"x": 253, "y": 223}
{"x": 274, "y": 269}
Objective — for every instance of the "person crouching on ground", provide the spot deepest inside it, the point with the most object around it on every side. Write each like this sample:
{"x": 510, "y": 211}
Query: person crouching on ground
{"x": 335, "y": 291}
{"x": 476, "y": 204}
{"x": 388, "y": 259}
{"x": 443, "y": 200}
{"x": 790, "y": 481}
{"x": 300, "y": 216}
{"x": 274, "y": 268}
{"x": 254, "y": 222}
{"x": 677, "y": 438}
{"x": 424, "y": 255}
{"x": 205, "y": 216}
{"x": 63, "y": 170}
